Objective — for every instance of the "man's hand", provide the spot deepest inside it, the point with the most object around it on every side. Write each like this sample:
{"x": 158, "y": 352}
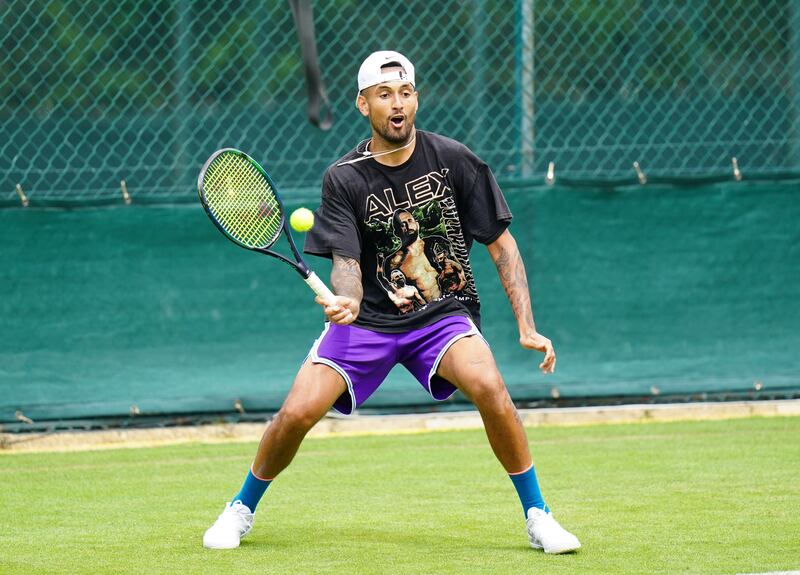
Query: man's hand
{"x": 534, "y": 340}
{"x": 343, "y": 311}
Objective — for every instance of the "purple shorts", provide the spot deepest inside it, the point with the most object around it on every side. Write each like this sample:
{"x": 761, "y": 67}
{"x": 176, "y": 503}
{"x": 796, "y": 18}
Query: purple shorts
{"x": 364, "y": 358}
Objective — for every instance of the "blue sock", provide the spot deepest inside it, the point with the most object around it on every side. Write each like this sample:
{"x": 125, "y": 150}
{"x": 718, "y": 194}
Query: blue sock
{"x": 528, "y": 490}
{"x": 252, "y": 490}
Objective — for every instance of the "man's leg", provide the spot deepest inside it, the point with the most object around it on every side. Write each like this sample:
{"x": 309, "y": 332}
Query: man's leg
{"x": 314, "y": 391}
{"x": 469, "y": 365}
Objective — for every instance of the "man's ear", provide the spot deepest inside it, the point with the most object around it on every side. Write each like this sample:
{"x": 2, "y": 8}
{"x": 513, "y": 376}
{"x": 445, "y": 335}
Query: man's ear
{"x": 362, "y": 105}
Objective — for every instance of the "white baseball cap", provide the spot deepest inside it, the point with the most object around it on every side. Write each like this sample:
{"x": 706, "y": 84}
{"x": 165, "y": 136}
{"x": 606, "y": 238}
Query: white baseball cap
{"x": 371, "y": 73}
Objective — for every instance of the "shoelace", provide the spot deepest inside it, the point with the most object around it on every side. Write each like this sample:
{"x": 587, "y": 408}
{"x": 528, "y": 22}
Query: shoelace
{"x": 540, "y": 519}
{"x": 233, "y": 514}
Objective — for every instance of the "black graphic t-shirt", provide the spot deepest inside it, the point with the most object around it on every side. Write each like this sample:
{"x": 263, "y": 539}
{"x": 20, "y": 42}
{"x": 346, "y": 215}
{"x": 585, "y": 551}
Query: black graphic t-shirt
{"x": 411, "y": 227}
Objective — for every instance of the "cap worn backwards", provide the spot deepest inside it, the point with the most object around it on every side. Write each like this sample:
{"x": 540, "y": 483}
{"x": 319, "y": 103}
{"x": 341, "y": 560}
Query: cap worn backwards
{"x": 372, "y": 69}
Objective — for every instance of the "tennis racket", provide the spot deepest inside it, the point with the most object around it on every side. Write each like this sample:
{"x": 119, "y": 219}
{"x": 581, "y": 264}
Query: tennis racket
{"x": 241, "y": 199}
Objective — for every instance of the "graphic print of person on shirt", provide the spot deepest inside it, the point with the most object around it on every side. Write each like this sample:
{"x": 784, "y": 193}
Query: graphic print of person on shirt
{"x": 451, "y": 273}
{"x": 415, "y": 258}
{"x": 403, "y": 292}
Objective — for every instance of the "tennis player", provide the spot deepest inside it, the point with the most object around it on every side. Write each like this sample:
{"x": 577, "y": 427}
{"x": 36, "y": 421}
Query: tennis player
{"x": 396, "y": 202}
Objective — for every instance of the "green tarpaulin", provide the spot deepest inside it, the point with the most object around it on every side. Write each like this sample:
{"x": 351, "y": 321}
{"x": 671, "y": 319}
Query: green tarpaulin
{"x": 644, "y": 290}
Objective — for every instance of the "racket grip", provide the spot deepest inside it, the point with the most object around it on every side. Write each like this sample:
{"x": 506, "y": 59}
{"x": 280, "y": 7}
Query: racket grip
{"x": 319, "y": 287}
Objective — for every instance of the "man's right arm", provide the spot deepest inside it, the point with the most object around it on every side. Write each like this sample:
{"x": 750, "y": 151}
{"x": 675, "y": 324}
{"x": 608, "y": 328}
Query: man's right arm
{"x": 346, "y": 282}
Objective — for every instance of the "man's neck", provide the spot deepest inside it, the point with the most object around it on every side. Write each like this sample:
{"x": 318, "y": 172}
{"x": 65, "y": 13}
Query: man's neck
{"x": 417, "y": 246}
{"x": 403, "y": 153}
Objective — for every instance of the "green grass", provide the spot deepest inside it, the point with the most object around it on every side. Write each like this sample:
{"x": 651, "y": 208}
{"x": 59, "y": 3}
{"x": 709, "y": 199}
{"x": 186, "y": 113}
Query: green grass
{"x": 699, "y": 497}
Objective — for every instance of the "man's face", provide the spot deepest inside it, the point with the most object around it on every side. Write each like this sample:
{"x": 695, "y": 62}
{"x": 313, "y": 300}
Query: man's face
{"x": 408, "y": 225}
{"x": 391, "y": 108}
{"x": 398, "y": 278}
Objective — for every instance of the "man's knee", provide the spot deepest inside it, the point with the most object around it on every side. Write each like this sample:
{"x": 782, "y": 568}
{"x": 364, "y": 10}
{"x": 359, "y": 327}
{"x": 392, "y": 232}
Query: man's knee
{"x": 297, "y": 417}
{"x": 315, "y": 389}
{"x": 488, "y": 390}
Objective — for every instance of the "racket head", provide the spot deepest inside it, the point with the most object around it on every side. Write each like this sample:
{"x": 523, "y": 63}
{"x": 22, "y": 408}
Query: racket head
{"x": 241, "y": 199}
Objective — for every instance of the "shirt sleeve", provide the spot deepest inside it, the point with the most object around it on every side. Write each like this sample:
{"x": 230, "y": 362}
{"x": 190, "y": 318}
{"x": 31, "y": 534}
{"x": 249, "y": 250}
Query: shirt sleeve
{"x": 487, "y": 214}
{"x": 335, "y": 229}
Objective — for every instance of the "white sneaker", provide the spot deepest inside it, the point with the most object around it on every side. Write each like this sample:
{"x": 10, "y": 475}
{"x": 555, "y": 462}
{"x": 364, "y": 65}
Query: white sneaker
{"x": 233, "y": 523}
{"x": 545, "y": 533}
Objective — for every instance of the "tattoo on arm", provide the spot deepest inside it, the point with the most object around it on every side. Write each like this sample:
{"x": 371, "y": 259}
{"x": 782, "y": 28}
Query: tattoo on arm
{"x": 511, "y": 270}
{"x": 346, "y": 278}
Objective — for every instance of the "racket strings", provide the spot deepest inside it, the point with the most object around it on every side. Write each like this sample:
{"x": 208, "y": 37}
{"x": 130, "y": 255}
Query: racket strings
{"x": 242, "y": 201}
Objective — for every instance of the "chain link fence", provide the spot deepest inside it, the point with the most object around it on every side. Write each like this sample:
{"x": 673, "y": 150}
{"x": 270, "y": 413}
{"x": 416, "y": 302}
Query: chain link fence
{"x": 92, "y": 93}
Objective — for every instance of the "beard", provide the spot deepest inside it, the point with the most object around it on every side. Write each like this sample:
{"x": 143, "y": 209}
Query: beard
{"x": 409, "y": 238}
{"x": 394, "y": 135}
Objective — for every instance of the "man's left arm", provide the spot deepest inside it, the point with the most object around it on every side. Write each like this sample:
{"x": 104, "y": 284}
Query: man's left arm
{"x": 511, "y": 269}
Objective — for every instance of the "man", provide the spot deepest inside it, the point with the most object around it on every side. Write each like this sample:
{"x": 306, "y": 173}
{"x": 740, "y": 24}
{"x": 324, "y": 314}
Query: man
{"x": 414, "y": 256}
{"x": 402, "y": 292}
{"x": 451, "y": 274}
{"x": 400, "y": 168}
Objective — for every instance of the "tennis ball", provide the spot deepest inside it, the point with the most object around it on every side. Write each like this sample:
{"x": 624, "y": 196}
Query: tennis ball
{"x": 302, "y": 219}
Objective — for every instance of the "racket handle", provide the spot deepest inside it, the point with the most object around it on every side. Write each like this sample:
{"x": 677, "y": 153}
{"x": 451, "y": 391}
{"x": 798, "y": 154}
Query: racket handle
{"x": 319, "y": 287}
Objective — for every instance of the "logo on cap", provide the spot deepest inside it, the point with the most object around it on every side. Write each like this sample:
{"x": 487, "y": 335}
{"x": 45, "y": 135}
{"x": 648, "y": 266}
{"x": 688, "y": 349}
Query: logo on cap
{"x": 372, "y": 73}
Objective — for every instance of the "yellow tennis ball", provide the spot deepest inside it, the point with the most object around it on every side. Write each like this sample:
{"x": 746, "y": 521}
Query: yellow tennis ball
{"x": 302, "y": 220}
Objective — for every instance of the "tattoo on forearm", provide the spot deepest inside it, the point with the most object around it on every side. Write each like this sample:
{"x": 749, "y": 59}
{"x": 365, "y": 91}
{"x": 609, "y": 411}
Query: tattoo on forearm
{"x": 346, "y": 278}
{"x": 512, "y": 275}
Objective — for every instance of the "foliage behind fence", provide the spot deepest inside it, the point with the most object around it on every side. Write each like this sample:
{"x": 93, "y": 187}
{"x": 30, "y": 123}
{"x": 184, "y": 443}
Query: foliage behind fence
{"x": 95, "y": 92}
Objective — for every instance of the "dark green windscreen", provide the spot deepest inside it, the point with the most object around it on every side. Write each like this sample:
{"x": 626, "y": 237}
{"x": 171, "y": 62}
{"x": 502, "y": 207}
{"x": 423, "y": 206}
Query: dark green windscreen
{"x": 644, "y": 290}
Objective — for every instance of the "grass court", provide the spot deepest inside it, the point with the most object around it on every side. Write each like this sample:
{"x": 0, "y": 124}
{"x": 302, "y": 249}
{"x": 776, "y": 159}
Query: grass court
{"x": 716, "y": 497}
